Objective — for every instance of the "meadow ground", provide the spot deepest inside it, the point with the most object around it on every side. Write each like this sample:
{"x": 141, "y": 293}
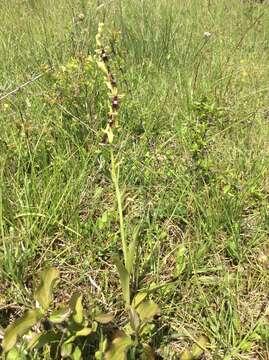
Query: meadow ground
{"x": 193, "y": 152}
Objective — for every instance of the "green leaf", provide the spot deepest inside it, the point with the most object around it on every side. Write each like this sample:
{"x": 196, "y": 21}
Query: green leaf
{"x": 124, "y": 279}
{"x": 40, "y": 340}
{"x": 83, "y": 332}
{"x": 13, "y": 354}
{"x": 104, "y": 318}
{"x": 66, "y": 350}
{"x": 131, "y": 254}
{"x": 59, "y": 315}
{"x": 148, "y": 353}
{"x": 181, "y": 264}
{"x": 119, "y": 348}
{"x": 76, "y": 307}
{"x": 199, "y": 347}
{"x": 147, "y": 310}
{"x": 76, "y": 354}
{"x": 19, "y": 328}
{"x": 186, "y": 355}
{"x": 43, "y": 294}
{"x": 134, "y": 320}
{"x": 138, "y": 299}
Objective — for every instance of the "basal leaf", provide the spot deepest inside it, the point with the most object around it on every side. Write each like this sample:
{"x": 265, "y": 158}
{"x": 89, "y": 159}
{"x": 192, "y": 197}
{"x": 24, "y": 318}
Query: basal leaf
{"x": 77, "y": 355}
{"x": 40, "y": 340}
{"x": 43, "y": 294}
{"x": 138, "y": 299}
{"x": 104, "y": 318}
{"x": 76, "y": 308}
{"x": 134, "y": 319}
{"x": 198, "y": 348}
{"x": 147, "y": 310}
{"x": 84, "y": 332}
{"x": 124, "y": 279}
{"x": 186, "y": 355}
{"x": 148, "y": 353}
{"x": 59, "y": 315}
{"x": 13, "y": 354}
{"x": 66, "y": 350}
{"x": 19, "y": 328}
{"x": 119, "y": 348}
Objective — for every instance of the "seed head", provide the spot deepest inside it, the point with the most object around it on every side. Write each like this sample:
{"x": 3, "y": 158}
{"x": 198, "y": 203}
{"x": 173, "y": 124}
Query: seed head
{"x": 104, "y": 55}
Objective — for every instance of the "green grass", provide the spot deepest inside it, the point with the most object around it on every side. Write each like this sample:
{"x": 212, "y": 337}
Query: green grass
{"x": 193, "y": 151}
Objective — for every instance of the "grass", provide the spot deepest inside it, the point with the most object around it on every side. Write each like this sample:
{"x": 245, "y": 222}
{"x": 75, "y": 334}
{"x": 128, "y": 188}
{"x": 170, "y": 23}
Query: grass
{"x": 193, "y": 151}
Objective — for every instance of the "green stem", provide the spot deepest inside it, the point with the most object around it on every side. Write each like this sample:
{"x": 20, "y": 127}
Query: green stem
{"x": 1, "y": 209}
{"x": 115, "y": 179}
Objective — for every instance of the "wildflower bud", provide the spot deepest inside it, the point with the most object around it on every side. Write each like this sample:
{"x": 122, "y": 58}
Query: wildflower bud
{"x": 115, "y": 103}
{"x": 80, "y": 17}
{"x": 104, "y": 55}
{"x": 112, "y": 80}
{"x": 207, "y": 34}
{"x": 263, "y": 259}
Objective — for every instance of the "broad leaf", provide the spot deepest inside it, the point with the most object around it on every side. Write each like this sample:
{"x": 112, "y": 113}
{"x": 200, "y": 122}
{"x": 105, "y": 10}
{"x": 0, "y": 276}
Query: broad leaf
{"x": 131, "y": 255}
{"x": 59, "y": 315}
{"x": 119, "y": 348}
{"x": 147, "y": 310}
{"x": 186, "y": 355}
{"x": 148, "y": 353}
{"x": 19, "y": 328}
{"x": 43, "y": 294}
{"x": 134, "y": 319}
{"x": 83, "y": 332}
{"x": 104, "y": 318}
{"x": 66, "y": 350}
{"x": 13, "y": 354}
{"x": 181, "y": 264}
{"x": 76, "y": 354}
{"x": 124, "y": 279}
{"x": 199, "y": 347}
{"x": 40, "y": 340}
{"x": 76, "y": 307}
{"x": 138, "y": 299}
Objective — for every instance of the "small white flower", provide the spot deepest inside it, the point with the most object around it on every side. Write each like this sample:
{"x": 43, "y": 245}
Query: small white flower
{"x": 207, "y": 34}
